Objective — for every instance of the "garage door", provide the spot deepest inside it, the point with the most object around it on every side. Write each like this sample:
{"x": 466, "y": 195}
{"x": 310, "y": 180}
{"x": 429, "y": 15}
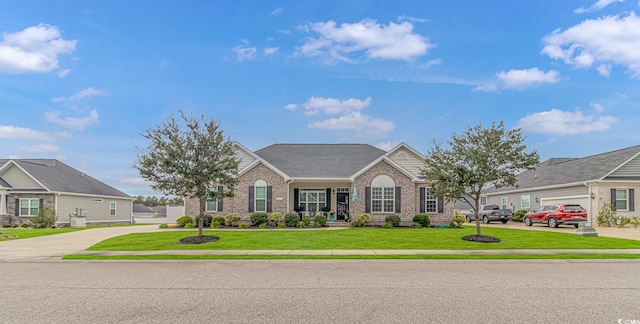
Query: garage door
{"x": 582, "y": 201}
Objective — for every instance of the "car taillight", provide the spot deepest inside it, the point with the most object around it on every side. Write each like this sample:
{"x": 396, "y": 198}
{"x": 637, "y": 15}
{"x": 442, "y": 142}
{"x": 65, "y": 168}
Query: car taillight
{"x": 493, "y": 213}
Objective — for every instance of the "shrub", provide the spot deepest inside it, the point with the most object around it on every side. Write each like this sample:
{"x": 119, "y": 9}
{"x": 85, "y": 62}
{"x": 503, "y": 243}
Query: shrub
{"x": 218, "y": 219}
{"x": 258, "y": 218}
{"x": 263, "y": 225}
{"x": 320, "y": 221}
{"x": 422, "y": 219}
{"x": 519, "y": 215}
{"x": 291, "y": 219}
{"x": 232, "y": 219}
{"x": 393, "y": 219}
{"x": 206, "y": 222}
{"x": 188, "y": 225}
{"x": 25, "y": 225}
{"x": 282, "y": 225}
{"x": 458, "y": 220}
{"x": 635, "y": 221}
{"x": 607, "y": 215}
{"x": 624, "y": 221}
{"x": 243, "y": 225}
{"x": 216, "y": 224}
{"x": 363, "y": 219}
{"x": 416, "y": 225}
{"x": 184, "y": 220}
{"x": 306, "y": 221}
{"x": 275, "y": 218}
{"x": 357, "y": 224}
{"x": 388, "y": 224}
{"x": 164, "y": 225}
{"x": 45, "y": 219}
{"x": 301, "y": 224}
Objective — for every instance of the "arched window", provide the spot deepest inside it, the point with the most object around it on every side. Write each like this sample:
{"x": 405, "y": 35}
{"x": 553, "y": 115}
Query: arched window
{"x": 239, "y": 155}
{"x": 382, "y": 194}
{"x": 402, "y": 156}
{"x": 261, "y": 196}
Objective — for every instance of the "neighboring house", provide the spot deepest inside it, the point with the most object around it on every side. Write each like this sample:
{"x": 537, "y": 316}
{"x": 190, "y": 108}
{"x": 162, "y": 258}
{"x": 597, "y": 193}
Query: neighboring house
{"x": 347, "y": 178}
{"x": 611, "y": 177}
{"x": 142, "y": 211}
{"x": 160, "y": 211}
{"x": 28, "y": 185}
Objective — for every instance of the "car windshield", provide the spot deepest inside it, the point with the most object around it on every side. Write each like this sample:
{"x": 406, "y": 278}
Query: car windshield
{"x": 573, "y": 207}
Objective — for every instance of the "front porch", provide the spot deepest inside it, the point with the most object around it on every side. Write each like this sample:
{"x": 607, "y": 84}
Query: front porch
{"x": 311, "y": 198}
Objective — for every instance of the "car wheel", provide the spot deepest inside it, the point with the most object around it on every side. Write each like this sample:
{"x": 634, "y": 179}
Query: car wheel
{"x": 553, "y": 222}
{"x": 527, "y": 221}
{"x": 485, "y": 219}
{"x": 575, "y": 225}
{"x": 504, "y": 221}
{"x": 468, "y": 219}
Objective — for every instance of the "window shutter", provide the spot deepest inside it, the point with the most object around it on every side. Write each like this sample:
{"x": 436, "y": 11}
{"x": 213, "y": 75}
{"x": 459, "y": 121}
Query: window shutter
{"x": 41, "y": 203}
{"x": 422, "y": 198}
{"x": 631, "y": 200}
{"x": 220, "y": 190}
{"x": 367, "y": 199}
{"x": 296, "y": 199}
{"x": 398, "y": 200}
{"x": 269, "y": 199}
{"x": 17, "y": 207}
{"x": 613, "y": 198}
{"x": 328, "y": 198}
{"x": 440, "y": 205}
{"x": 251, "y": 195}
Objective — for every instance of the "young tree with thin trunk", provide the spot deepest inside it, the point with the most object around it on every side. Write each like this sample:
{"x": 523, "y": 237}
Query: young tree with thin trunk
{"x": 475, "y": 160}
{"x": 189, "y": 157}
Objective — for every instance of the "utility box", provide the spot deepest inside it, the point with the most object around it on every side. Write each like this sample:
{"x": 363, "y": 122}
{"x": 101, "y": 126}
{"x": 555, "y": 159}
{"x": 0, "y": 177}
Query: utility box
{"x": 78, "y": 218}
{"x": 585, "y": 229}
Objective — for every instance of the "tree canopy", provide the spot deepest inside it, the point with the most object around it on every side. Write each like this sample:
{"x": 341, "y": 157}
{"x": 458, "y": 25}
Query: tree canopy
{"x": 475, "y": 160}
{"x": 187, "y": 158}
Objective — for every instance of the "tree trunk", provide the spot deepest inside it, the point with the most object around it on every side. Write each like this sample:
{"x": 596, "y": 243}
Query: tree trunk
{"x": 477, "y": 211}
{"x": 201, "y": 216}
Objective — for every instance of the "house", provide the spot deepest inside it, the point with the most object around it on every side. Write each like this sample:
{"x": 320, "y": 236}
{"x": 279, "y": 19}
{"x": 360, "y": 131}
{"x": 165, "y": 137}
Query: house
{"x": 591, "y": 181}
{"x": 141, "y": 211}
{"x": 28, "y": 185}
{"x": 347, "y": 178}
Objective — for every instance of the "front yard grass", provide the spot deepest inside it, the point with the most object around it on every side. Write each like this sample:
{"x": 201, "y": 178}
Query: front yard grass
{"x": 361, "y": 239}
{"x": 22, "y": 233}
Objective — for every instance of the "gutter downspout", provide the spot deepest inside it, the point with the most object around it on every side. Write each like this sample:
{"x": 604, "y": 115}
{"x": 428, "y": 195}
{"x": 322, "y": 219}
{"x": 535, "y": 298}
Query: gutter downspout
{"x": 589, "y": 207}
{"x": 289, "y": 182}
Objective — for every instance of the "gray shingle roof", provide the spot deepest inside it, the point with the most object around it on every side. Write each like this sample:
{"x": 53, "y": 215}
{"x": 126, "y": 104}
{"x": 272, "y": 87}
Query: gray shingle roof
{"x": 320, "y": 160}
{"x": 141, "y": 208}
{"x": 3, "y": 183}
{"x": 59, "y": 177}
{"x": 557, "y": 171}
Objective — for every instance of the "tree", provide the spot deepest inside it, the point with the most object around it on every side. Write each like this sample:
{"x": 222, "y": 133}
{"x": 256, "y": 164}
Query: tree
{"x": 187, "y": 158}
{"x": 476, "y": 159}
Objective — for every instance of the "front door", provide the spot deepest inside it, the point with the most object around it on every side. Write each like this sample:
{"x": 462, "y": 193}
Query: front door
{"x": 342, "y": 201}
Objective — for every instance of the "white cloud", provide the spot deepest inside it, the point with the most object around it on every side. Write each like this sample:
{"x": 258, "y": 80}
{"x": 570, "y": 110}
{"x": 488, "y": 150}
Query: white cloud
{"x": 245, "y": 53}
{"x": 34, "y": 49}
{"x": 284, "y": 31}
{"x": 520, "y": 79}
{"x": 271, "y": 50}
{"x": 134, "y": 182}
{"x": 599, "y": 5}
{"x": 89, "y": 92}
{"x": 604, "y": 69}
{"x": 362, "y": 125}
{"x": 291, "y": 107}
{"x": 20, "y": 133}
{"x": 41, "y": 148}
{"x": 63, "y": 73}
{"x": 73, "y": 122}
{"x": 411, "y": 19}
{"x": 377, "y": 41}
{"x": 597, "y": 106}
{"x": 430, "y": 63}
{"x": 276, "y": 11}
{"x": 558, "y": 122}
{"x": 386, "y": 146}
{"x": 606, "y": 41}
{"x": 333, "y": 106}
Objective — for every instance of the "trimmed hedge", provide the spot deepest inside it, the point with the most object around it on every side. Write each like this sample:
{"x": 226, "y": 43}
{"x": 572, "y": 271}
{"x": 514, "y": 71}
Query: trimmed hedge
{"x": 291, "y": 219}
{"x": 422, "y": 219}
{"x": 184, "y": 220}
{"x": 394, "y": 220}
{"x": 258, "y": 218}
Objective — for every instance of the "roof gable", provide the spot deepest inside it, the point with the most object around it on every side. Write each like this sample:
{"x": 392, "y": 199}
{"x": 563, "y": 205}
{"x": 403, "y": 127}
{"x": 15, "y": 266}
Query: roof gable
{"x": 320, "y": 160}
{"x": 405, "y": 156}
{"x": 17, "y": 177}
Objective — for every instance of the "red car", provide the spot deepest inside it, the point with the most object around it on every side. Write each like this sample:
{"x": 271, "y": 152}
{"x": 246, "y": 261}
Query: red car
{"x": 554, "y": 215}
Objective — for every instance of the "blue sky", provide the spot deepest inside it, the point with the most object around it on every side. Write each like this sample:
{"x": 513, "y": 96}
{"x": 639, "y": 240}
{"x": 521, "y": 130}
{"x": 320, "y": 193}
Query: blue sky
{"x": 81, "y": 80}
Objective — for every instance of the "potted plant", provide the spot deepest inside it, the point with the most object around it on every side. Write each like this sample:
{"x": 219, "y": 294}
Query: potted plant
{"x": 331, "y": 215}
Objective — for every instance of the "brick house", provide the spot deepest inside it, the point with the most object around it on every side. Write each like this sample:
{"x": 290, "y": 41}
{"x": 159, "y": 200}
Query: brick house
{"x": 346, "y": 178}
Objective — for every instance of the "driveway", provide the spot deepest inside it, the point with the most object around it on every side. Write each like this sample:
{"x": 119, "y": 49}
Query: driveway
{"x": 53, "y": 247}
{"x": 629, "y": 233}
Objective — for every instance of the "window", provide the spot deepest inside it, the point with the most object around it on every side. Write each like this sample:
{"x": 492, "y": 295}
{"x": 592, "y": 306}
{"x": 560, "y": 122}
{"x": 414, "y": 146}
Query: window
{"x": 525, "y": 202}
{"x": 312, "y": 199}
{"x": 402, "y": 156}
{"x": 29, "y": 206}
{"x": 504, "y": 203}
{"x": 430, "y": 201}
{"x": 383, "y": 194}
{"x": 212, "y": 206}
{"x": 112, "y": 208}
{"x": 621, "y": 199}
{"x": 261, "y": 199}
{"x": 98, "y": 200}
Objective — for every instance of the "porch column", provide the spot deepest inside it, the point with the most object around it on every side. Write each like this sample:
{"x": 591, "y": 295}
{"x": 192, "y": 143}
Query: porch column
{"x": 3, "y": 202}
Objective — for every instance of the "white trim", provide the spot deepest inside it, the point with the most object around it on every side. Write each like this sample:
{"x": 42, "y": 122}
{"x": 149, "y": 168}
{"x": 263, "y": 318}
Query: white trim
{"x": 25, "y": 172}
{"x": 403, "y": 144}
{"x": 265, "y": 163}
{"x": 388, "y": 160}
{"x": 521, "y": 204}
{"x": 115, "y": 208}
{"x": 60, "y": 193}
{"x": 564, "y": 185}
{"x": 626, "y": 200}
{"x": 620, "y": 166}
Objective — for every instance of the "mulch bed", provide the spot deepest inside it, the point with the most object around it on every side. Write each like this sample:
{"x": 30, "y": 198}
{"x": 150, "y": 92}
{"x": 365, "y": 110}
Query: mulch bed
{"x": 199, "y": 239}
{"x": 481, "y": 238}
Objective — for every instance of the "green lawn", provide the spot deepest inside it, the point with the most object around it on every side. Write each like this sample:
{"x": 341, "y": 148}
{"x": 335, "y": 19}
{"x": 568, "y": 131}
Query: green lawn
{"x": 360, "y": 239}
{"x": 33, "y": 232}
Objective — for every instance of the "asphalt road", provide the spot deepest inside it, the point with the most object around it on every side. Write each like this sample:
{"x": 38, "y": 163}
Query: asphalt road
{"x": 310, "y": 291}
